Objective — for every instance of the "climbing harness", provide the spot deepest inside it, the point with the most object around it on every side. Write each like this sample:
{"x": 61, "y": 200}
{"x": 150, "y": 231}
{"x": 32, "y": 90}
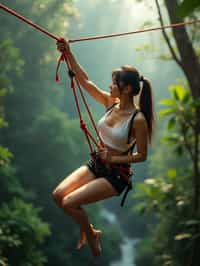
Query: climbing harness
{"x": 124, "y": 171}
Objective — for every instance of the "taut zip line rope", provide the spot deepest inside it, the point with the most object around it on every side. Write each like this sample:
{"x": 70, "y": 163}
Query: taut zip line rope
{"x": 134, "y": 32}
{"x": 14, "y": 13}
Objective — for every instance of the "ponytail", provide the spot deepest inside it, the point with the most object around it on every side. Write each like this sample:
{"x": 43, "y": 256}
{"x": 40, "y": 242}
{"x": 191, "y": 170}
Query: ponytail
{"x": 146, "y": 105}
{"x": 129, "y": 75}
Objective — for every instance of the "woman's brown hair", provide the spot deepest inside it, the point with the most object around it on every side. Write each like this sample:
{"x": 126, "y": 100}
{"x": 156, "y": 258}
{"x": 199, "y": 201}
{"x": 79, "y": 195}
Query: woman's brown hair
{"x": 129, "y": 75}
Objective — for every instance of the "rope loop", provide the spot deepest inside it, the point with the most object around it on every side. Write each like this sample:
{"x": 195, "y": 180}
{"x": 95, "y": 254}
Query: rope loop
{"x": 61, "y": 58}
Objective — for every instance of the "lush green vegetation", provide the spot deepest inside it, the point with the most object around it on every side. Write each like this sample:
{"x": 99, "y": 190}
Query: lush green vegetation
{"x": 169, "y": 195}
{"x": 41, "y": 143}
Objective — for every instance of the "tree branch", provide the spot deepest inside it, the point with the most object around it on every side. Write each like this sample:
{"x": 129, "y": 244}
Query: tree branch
{"x": 188, "y": 56}
{"x": 178, "y": 61}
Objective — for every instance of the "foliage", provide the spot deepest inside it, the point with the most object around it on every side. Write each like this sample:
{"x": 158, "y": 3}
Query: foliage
{"x": 10, "y": 55}
{"x": 21, "y": 234}
{"x": 182, "y": 112}
{"x": 145, "y": 253}
{"x": 21, "y": 229}
{"x": 187, "y": 7}
{"x": 169, "y": 196}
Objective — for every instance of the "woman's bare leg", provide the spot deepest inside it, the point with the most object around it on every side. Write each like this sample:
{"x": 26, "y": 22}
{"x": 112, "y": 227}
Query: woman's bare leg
{"x": 93, "y": 191}
{"x": 76, "y": 179}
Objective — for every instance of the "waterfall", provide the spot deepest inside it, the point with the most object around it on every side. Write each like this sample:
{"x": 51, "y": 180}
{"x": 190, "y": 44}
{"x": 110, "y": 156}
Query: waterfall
{"x": 127, "y": 245}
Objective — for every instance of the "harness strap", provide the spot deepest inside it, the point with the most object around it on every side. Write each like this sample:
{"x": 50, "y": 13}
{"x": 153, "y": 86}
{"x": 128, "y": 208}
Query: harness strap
{"x": 129, "y": 151}
{"x": 128, "y": 188}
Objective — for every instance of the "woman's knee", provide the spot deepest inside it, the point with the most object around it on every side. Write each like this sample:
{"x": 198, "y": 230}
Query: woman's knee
{"x": 57, "y": 196}
{"x": 68, "y": 203}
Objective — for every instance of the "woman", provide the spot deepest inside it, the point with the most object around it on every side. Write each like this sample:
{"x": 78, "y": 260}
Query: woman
{"x": 96, "y": 180}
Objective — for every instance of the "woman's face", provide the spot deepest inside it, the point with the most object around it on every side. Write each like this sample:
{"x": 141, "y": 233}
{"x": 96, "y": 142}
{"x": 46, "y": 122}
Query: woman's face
{"x": 114, "y": 89}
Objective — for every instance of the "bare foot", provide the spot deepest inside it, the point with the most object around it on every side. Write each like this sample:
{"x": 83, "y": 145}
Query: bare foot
{"x": 83, "y": 238}
{"x": 96, "y": 245}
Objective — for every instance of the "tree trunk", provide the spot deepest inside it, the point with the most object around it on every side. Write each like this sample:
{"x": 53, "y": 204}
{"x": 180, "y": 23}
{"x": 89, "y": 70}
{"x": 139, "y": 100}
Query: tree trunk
{"x": 189, "y": 59}
{"x": 191, "y": 67}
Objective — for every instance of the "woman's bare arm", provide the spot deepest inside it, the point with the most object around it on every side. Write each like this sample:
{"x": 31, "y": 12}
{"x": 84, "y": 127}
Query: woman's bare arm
{"x": 99, "y": 95}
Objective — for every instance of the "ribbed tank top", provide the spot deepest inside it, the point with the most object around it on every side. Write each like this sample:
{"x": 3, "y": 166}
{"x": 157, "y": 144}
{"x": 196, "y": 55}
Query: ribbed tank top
{"x": 115, "y": 137}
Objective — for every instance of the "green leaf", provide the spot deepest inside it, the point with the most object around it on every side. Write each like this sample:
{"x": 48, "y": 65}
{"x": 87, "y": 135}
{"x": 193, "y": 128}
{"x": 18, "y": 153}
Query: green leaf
{"x": 179, "y": 150}
{"x": 5, "y": 156}
{"x": 166, "y": 112}
{"x": 181, "y": 91}
{"x": 174, "y": 92}
{"x": 171, "y": 123}
{"x": 187, "y": 97}
{"x": 171, "y": 139}
{"x": 178, "y": 92}
{"x": 3, "y": 123}
{"x": 169, "y": 102}
{"x": 141, "y": 207}
{"x": 172, "y": 173}
{"x": 3, "y": 92}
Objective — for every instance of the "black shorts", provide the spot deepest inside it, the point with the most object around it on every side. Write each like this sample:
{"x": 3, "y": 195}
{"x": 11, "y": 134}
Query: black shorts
{"x": 113, "y": 175}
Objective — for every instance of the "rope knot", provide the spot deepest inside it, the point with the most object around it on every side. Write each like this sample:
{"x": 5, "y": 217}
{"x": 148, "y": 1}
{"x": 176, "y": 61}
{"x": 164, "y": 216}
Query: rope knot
{"x": 71, "y": 73}
{"x": 83, "y": 125}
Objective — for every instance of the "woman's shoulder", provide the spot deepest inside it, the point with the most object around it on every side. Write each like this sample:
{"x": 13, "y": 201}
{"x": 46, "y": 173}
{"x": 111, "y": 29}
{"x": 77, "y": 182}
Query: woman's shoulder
{"x": 139, "y": 120}
{"x": 111, "y": 104}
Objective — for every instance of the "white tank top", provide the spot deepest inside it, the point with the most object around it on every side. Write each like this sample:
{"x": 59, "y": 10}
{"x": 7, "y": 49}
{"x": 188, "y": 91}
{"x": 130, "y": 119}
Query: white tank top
{"x": 114, "y": 137}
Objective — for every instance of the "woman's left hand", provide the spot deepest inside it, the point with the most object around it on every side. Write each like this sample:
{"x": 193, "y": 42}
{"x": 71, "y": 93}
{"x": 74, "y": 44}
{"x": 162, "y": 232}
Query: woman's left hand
{"x": 105, "y": 155}
{"x": 63, "y": 45}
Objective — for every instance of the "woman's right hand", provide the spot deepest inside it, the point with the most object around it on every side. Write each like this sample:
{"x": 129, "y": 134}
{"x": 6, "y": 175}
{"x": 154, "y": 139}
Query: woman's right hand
{"x": 63, "y": 45}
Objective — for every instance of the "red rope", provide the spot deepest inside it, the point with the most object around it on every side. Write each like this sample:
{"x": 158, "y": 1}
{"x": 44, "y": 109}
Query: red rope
{"x": 89, "y": 112}
{"x": 134, "y": 32}
{"x": 82, "y": 123}
{"x": 31, "y": 23}
{"x": 14, "y": 13}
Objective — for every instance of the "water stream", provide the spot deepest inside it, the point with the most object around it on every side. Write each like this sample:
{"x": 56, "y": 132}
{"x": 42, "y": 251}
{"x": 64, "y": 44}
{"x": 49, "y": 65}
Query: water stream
{"x": 127, "y": 245}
